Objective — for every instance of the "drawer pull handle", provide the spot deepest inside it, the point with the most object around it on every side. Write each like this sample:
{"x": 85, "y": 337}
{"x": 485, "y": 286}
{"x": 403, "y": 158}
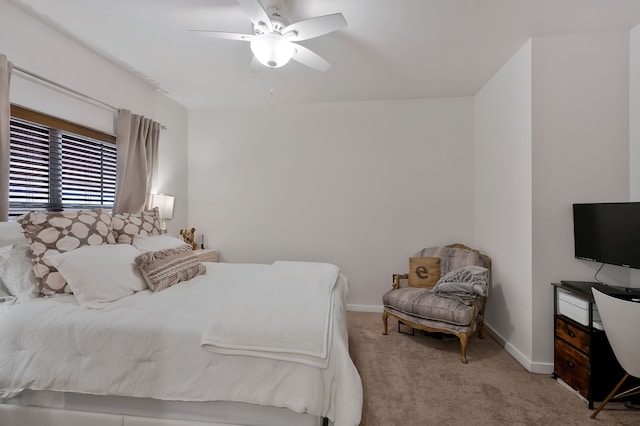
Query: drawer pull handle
{"x": 571, "y": 333}
{"x": 571, "y": 364}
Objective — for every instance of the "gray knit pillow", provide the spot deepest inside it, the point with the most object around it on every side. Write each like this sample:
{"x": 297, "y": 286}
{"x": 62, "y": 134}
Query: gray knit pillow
{"x": 163, "y": 268}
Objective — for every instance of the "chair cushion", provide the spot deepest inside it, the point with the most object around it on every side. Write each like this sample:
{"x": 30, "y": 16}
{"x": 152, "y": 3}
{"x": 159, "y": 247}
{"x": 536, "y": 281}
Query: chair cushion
{"x": 424, "y": 272}
{"x": 425, "y": 304}
{"x": 452, "y": 258}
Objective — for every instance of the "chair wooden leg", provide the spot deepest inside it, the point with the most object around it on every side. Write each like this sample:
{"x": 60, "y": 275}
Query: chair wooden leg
{"x": 463, "y": 346}
{"x": 385, "y": 315}
{"x": 481, "y": 330}
{"x": 613, "y": 392}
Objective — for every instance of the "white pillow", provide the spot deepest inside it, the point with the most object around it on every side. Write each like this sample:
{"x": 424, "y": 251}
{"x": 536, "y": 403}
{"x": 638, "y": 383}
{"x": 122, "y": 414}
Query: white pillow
{"x": 16, "y": 272}
{"x": 100, "y": 274}
{"x": 156, "y": 242}
{"x": 5, "y": 297}
{"x": 10, "y": 233}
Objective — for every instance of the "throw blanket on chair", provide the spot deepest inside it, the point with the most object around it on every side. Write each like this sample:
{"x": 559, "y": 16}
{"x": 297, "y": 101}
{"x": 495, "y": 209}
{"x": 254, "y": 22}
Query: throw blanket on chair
{"x": 464, "y": 284}
{"x": 283, "y": 313}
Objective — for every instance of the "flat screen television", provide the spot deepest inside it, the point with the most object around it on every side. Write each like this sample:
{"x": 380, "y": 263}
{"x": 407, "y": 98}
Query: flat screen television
{"x": 608, "y": 233}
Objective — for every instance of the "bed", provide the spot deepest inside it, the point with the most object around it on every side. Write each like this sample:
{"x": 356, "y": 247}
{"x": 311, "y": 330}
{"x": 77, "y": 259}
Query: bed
{"x": 196, "y": 352}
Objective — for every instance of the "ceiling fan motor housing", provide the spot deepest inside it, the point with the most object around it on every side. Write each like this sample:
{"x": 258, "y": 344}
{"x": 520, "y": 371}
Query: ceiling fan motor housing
{"x": 278, "y": 22}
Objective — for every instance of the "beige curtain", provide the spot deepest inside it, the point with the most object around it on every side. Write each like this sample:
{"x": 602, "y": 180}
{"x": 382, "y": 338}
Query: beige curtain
{"x": 5, "y": 116}
{"x": 137, "y": 161}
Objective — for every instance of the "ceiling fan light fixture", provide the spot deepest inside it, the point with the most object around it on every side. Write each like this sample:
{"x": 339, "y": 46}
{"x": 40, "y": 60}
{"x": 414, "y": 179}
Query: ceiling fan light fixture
{"x": 272, "y": 50}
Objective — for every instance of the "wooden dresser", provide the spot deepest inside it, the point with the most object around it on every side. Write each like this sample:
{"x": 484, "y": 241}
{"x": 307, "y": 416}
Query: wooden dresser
{"x": 583, "y": 357}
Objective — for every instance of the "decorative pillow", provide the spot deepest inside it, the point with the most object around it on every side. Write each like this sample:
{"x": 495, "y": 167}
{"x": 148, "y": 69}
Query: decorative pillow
{"x": 98, "y": 275}
{"x": 156, "y": 242}
{"x": 164, "y": 268}
{"x": 16, "y": 272}
{"x": 127, "y": 225}
{"x": 424, "y": 272}
{"x": 52, "y": 233}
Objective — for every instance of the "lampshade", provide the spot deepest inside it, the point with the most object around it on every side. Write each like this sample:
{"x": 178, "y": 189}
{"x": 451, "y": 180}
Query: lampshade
{"x": 272, "y": 50}
{"x": 164, "y": 203}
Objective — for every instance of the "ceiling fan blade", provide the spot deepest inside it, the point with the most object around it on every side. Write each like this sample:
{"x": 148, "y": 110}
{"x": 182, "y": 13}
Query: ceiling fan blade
{"x": 225, "y": 35}
{"x": 314, "y": 27}
{"x": 256, "y": 13}
{"x": 310, "y": 58}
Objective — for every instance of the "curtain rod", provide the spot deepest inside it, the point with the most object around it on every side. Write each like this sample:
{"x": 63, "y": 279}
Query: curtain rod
{"x": 68, "y": 89}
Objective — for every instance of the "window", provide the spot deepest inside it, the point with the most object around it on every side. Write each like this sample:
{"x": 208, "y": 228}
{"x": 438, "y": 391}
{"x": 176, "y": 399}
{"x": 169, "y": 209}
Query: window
{"x": 57, "y": 165}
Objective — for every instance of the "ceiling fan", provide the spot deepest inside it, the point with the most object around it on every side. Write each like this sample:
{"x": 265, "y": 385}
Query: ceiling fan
{"x": 273, "y": 39}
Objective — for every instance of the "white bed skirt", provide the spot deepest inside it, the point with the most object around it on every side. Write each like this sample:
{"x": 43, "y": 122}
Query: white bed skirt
{"x": 47, "y": 408}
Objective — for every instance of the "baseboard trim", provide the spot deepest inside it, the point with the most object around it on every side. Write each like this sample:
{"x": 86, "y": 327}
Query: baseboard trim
{"x": 530, "y": 366}
{"x": 365, "y": 308}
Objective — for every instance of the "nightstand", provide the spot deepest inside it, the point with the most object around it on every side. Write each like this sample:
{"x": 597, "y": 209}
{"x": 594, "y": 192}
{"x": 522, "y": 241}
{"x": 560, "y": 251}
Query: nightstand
{"x": 207, "y": 255}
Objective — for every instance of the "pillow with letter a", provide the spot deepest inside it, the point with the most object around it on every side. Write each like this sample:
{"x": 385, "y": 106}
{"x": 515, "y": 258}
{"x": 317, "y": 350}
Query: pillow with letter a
{"x": 424, "y": 272}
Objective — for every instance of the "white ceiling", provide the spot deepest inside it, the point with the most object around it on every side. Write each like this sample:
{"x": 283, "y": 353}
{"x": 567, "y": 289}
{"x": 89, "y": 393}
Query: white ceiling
{"x": 391, "y": 49}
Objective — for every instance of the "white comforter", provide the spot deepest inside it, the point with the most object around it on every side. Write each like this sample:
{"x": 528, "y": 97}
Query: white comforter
{"x": 148, "y": 345}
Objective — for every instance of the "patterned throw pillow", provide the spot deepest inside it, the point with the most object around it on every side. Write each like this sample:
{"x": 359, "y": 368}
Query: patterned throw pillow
{"x": 424, "y": 272}
{"x": 51, "y": 233}
{"x": 163, "y": 268}
{"x": 126, "y": 225}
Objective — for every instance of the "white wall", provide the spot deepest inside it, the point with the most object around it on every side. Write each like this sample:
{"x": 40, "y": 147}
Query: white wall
{"x": 33, "y": 46}
{"x": 558, "y": 115}
{"x": 503, "y": 199}
{"x": 634, "y": 128}
{"x": 580, "y": 121}
{"x": 634, "y": 118}
{"x": 363, "y": 184}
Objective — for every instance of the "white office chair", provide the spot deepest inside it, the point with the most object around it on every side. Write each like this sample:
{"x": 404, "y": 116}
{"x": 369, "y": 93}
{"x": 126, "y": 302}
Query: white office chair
{"x": 620, "y": 319}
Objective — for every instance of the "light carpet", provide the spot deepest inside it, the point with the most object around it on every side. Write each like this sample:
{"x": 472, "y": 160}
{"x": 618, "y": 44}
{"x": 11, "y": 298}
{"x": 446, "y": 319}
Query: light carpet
{"x": 420, "y": 380}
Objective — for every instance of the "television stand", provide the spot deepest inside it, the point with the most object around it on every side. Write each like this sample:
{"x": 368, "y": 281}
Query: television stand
{"x": 627, "y": 293}
{"x": 583, "y": 357}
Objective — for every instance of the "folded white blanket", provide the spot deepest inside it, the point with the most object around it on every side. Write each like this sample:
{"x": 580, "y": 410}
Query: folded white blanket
{"x": 304, "y": 290}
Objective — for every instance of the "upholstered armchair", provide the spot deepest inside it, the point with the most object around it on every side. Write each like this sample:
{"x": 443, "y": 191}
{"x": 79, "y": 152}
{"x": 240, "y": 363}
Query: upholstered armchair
{"x": 447, "y": 293}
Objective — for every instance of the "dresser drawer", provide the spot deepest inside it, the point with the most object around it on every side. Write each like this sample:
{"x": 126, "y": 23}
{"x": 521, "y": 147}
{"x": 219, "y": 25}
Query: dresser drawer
{"x": 577, "y": 337}
{"x": 572, "y": 366}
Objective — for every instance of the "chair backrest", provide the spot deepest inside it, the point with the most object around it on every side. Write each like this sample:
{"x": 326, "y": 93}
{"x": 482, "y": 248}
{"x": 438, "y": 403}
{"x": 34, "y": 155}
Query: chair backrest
{"x": 456, "y": 256}
{"x": 621, "y": 322}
